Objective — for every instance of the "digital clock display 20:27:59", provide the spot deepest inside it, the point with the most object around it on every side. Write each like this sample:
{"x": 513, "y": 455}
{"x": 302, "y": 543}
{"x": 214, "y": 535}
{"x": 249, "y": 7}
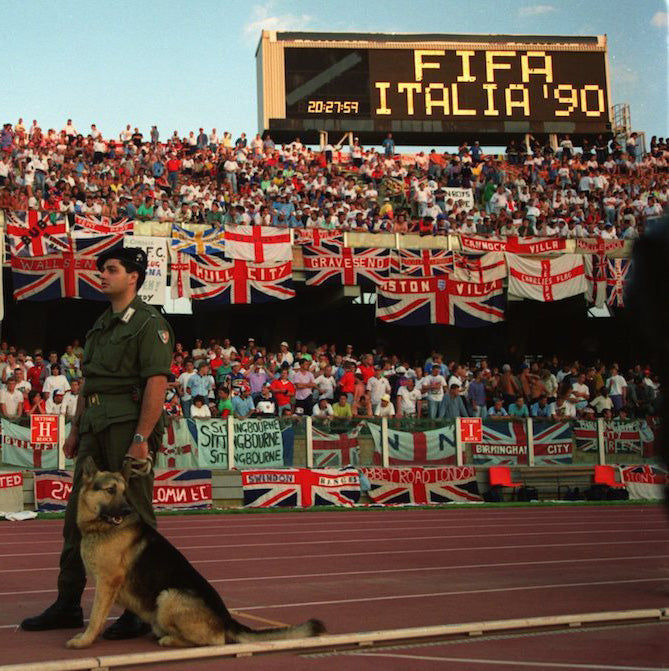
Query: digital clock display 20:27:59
{"x": 333, "y": 106}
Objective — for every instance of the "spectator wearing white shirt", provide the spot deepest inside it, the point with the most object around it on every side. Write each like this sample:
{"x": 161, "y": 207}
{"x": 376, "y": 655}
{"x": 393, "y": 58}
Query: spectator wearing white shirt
{"x": 200, "y": 409}
{"x": 55, "y": 381}
{"x": 54, "y": 404}
{"x": 70, "y": 400}
{"x": 377, "y": 386}
{"x": 11, "y": 400}
{"x": 409, "y": 399}
{"x": 616, "y": 385}
{"x": 385, "y": 407}
{"x": 326, "y": 384}
{"x": 323, "y": 409}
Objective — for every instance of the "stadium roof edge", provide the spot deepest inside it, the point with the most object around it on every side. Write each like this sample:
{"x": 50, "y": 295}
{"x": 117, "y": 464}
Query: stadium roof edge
{"x": 435, "y": 37}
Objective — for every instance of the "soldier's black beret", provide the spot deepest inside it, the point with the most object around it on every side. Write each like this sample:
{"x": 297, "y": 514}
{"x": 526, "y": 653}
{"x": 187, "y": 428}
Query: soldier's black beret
{"x": 133, "y": 258}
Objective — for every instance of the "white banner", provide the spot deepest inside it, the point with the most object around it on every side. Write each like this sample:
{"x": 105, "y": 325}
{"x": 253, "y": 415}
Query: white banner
{"x": 546, "y": 279}
{"x": 465, "y": 195}
{"x": 155, "y": 285}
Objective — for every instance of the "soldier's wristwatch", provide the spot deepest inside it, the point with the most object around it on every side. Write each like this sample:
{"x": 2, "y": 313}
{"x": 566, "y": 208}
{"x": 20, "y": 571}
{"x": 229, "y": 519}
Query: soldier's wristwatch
{"x": 138, "y": 439}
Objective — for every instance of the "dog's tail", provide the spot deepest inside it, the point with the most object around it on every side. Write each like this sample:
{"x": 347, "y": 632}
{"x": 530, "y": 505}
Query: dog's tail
{"x": 239, "y": 633}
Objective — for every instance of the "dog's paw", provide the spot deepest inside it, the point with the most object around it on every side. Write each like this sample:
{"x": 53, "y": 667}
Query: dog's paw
{"x": 78, "y": 642}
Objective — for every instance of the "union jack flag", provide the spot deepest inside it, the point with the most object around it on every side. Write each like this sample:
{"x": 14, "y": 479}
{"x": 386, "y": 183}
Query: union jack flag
{"x": 205, "y": 241}
{"x": 300, "y": 487}
{"x": 332, "y": 264}
{"x": 422, "y": 262}
{"x": 207, "y": 277}
{"x": 595, "y": 277}
{"x": 629, "y": 437}
{"x": 617, "y": 274}
{"x": 422, "y": 485}
{"x": 37, "y": 233}
{"x": 479, "y": 267}
{"x": 182, "y": 490}
{"x": 553, "y": 443}
{"x": 440, "y": 300}
{"x": 91, "y": 225}
{"x": 336, "y": 449}
{"x": 316, "y": 236}
{"x": 504, "y": 444}
{"x": 64, "y": 275}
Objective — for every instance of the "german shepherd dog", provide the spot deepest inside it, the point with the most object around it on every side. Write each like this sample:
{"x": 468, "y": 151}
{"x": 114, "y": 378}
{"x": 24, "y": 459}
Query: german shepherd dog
{"x": 136, "y": 567}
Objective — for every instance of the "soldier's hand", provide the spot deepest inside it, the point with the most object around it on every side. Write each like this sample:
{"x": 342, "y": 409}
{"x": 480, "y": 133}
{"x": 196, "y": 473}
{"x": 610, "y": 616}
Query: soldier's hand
{"x": 139, "y": 451}
{"x": 71, "y": 445}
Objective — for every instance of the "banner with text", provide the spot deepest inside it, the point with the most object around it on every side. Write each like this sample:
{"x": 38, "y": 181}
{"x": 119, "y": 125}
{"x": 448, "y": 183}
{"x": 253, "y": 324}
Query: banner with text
{"x": 419, "y": 486}
{"x": 17, "y": 450}
{"x": 301, "y": 487}
{"x": 154, "y": 289}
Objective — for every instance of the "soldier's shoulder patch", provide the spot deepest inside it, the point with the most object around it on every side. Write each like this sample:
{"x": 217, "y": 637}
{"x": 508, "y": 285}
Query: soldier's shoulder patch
{"x": 164, "y": 336}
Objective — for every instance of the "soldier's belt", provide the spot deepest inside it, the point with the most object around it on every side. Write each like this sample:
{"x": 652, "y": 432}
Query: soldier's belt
{"x": 99, "y": 399}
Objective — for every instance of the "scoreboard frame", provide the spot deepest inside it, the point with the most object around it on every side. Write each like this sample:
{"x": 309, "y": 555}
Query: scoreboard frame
{"x": 432, "y": 88}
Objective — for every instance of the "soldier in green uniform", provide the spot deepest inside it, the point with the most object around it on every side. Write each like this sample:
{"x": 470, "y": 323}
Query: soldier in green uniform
{"x": 119, "y": 417}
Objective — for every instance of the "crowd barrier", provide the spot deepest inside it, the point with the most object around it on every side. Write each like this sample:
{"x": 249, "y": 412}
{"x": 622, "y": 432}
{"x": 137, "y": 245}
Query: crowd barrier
{"x": 306, "y": 442}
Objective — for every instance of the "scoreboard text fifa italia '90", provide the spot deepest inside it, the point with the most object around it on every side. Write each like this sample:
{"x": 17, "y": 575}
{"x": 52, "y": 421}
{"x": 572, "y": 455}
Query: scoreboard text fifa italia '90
{"x": 486, "y": 84}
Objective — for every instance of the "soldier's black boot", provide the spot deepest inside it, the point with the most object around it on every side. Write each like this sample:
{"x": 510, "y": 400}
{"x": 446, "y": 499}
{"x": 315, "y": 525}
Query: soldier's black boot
{"x": 60, "y": 615}
{"x": 127, "y": 626}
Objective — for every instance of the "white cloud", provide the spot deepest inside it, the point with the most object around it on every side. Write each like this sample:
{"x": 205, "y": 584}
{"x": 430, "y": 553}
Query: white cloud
{"x": 659, "y": 20}
{"x": 263, "y": 17}
{"x": 536, "y": 10}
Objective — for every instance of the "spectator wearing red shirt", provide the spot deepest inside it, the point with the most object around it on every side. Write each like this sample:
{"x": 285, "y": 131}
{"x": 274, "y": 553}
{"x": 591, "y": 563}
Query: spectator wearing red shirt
{"x": 34, "y": 375}
{"x": 283, "y": 390}
{"x": 177, "y": 365}
{"x": 366, "y": 367}
{"x": 173, "y": 167}
{"x": 347, "y": 382}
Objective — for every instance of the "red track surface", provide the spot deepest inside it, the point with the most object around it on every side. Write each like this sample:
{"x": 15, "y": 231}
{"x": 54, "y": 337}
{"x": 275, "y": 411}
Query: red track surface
{"x": 361, "y": 571}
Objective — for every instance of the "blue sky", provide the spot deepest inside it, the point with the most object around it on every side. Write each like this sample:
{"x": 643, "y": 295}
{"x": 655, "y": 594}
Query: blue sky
{"x": 182, "y": 65}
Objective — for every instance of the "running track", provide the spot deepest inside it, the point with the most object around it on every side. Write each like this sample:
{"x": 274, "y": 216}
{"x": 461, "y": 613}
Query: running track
{"x": 361, "y": 571}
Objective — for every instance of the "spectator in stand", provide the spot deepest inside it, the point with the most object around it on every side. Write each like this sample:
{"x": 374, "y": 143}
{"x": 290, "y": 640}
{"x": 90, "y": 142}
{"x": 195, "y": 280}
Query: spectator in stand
{"x": 266, "y": 405}
{"x": 200, "y": 383}
{"x": 11, "y": 400}
{"x": 34, "y": 404}
{"x": 342, "y": 409}
{"x": 563, "y": 409}
{"x": 304, "y": 385}
{"x": 70, "y": 400}
{"x": 542, "y": 408}
{"x": 453, "y": 405}
{"x": 54, "y": 404}
{"x": 434, "y": 385}
{"x": 243, "y": 405}
{"x": 476, "y": 394}
{"x": 616, "y": 386}
{"x": 283, "y": 390}
{"x": 200, "y": 408}
{"x": 183, "y": 383}
{"x": 497, "y": 410}
{"x": 362, "y": 407}
{"x": 55, "y": 381}
{"x": 409, "y": 400}
{"x": 385, "y": 407}
{"x": 323, "y": 409}
{"x": 70, "y": 364}
{"x": 224, "y": 406}
{"x": 518, "y": 408}
{"x": 377, "y": 387}
{"x": 257, "y": 378}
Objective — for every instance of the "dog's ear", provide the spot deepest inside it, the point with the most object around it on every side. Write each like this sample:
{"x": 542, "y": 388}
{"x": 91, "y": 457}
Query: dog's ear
{"x": 90, "y": 468}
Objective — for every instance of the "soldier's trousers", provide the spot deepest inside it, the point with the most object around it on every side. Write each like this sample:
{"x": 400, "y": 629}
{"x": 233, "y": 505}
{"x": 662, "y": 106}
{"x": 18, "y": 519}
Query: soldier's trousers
{"x": 107, "y": 449}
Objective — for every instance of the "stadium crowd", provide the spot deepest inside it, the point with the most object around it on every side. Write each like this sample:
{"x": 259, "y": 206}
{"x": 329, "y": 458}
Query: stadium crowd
{"x": 219, "y": 380}
{"x": 606, "y": 190}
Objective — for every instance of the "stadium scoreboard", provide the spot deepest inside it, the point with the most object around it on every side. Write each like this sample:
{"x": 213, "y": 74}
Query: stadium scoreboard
{"x": 431, "y": 87}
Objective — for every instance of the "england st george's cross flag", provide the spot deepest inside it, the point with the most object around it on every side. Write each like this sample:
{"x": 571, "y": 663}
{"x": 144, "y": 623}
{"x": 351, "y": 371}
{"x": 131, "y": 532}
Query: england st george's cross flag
{"x": 258, "y": 244}
{"x": 229, "y": 282}
{"x": 546, "y": 279}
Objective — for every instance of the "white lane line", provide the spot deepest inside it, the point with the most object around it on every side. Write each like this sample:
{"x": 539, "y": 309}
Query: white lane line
{"x": 394, "y": 539}
{"x": 414, "y": 569}
{"x": 490, "y": 590}
{"x": 357, "y": 554}
{"x": 513, "y": 663}
{"x": 350, "y": 529}
{"x": 423, "y": 595}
